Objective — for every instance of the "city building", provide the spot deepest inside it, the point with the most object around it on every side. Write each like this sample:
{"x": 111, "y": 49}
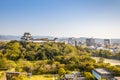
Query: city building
{"x": 90, "y": 42}
{"x": 75, "y": 75}
{"x": 107, "y": 43}
{"x": 76, "y": 44}
{"x": 69, "y": 77}
{"x": 101, "y": 73}
{"x": 72, "y": 41}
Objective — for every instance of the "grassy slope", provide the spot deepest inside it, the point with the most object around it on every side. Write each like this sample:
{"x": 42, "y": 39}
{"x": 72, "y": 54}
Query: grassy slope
{"x": 42, "y": 77}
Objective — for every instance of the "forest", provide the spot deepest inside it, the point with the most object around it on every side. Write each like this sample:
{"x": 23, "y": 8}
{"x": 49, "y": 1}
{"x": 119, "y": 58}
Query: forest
{"x": 52, "y": 58}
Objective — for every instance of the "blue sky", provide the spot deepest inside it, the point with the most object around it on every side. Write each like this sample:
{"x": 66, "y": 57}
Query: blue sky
{"x": 61, "y": 18}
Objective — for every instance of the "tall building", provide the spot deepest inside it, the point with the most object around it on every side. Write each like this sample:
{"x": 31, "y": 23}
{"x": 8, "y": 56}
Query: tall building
{"x": 26, "y": 37}
{"x": 90, "y": 42}
{"x": 107, "y": 43}
{"x": 72, "y": 41}
{"x": 76, "y": 44}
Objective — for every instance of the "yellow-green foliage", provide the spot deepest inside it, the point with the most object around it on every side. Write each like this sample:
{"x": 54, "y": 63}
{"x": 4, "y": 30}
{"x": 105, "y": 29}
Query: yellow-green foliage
{"x": 42, "y": 77}
{"x": 19, "y": 77}
{"x": 1, "y": 74}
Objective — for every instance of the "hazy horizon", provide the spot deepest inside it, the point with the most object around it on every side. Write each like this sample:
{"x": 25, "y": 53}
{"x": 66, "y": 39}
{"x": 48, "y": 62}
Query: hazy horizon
{"x": 61, "y": 18}
{"x": 58, "y": 37}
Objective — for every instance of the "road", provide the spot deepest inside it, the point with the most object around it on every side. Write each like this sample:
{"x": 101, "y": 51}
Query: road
{"x": 111, "y": 61}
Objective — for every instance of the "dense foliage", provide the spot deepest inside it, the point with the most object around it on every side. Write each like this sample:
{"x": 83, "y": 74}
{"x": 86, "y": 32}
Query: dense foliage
{"x": 54, "y": 58}
{"x": 106, "y": 54}
{"x": 15, "y": 50}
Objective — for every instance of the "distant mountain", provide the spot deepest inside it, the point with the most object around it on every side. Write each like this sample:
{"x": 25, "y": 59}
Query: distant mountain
{"x": 81, "y": 39}
{"x": 11, "y": 37}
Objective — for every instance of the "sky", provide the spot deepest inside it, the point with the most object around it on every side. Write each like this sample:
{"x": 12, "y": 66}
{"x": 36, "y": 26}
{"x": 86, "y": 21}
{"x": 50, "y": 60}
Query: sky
{"x": 61, "y": 18}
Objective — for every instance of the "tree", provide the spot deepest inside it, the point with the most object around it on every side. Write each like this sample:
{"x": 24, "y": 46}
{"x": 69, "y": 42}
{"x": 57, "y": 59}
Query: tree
{"x": 12, "y": 51}
{"x": 24, "y": 66}
{"x": 89, "y": 76}
{"x": 61, "y": 71}
{"x": 30, "y": 55}
{"x": 1, "y": 55}
{"x": 3, "y": 63}
{"x": 101, "y": 60}
{"x": 20, "y": 77}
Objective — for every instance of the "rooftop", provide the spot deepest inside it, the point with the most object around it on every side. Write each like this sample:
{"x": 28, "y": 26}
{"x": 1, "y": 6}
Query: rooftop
{"x": 69, "y": 76}
{"x": 102, "y": 71}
